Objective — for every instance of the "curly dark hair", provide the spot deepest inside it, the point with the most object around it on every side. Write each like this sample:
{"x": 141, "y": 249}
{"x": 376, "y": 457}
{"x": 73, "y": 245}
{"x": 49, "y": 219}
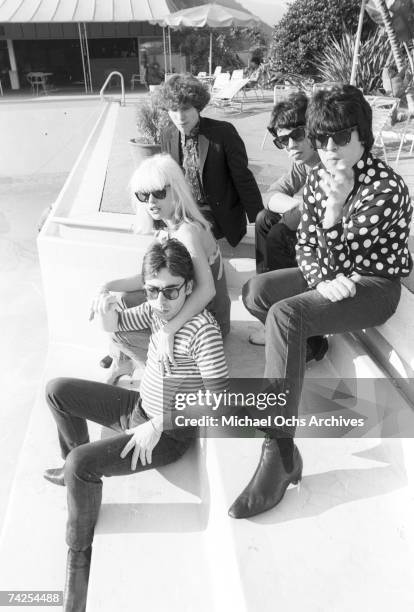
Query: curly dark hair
{"x": 337, "y": 108}
{"x": 183, "y": 90}
{"x": 289, "y": 113}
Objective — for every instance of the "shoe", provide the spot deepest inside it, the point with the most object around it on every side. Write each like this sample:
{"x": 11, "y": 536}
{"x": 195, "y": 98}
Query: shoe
{"x": 106, "y": 362}
{"x": 258, "y": 337}
{"x": 55, "y": 475}
{"x": 316, "y": 348}
{"x": 269, "y": 483}
{"x": 77, "y": 578}
{"x": 125, "y": 367}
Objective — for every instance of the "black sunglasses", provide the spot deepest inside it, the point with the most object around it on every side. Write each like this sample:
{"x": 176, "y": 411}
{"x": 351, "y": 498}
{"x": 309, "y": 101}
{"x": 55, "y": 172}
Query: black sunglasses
{"x": 170, "y": 293}
{"x": 144, "y": 196}
{"x": 297, "y": 135}
{"x": 340, "y": 138}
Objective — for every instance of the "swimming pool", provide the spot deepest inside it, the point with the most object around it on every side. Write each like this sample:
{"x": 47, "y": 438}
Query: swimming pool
{"x": 44, "y": 136}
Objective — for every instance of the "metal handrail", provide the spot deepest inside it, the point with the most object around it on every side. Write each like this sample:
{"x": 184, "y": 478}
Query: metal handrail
{"x": 108, "y": 78}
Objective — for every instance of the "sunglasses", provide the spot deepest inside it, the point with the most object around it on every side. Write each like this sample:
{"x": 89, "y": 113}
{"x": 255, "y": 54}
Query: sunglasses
{"x": 298, "y": 134}
{"x": 340, "y": 138}
{"x": 170, "y": 293}
{"x": 158, "y": 194}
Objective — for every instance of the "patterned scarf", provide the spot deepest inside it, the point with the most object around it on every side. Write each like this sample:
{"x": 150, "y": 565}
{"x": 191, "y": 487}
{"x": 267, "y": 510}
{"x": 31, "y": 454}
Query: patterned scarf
{"x": 191, "y": 163}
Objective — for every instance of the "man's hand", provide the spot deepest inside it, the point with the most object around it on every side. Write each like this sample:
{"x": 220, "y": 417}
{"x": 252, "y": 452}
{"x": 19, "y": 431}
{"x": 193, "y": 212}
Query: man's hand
{"x": 337, "y": 187}
{"x": 339, "y": 288}
{"x": 165, "y": 351}
{"x": 104, "y": 302}
{"x": 144, "y": 439}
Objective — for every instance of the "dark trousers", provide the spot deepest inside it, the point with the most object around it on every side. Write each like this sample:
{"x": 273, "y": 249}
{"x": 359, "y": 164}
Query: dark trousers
{"x": 292, "y": 313}
{"x": 275, "y": 243}
{"x": 72, "y": 401}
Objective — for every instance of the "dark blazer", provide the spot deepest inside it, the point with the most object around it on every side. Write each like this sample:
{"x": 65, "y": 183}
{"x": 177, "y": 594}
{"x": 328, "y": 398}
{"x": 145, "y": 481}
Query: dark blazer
{"x": 229, "y": 186}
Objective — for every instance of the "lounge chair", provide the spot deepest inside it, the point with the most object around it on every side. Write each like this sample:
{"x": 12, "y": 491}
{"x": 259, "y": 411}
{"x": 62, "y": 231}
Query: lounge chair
{"x": 383, "y": 108}
{"x": 229, "y": 94}
{"x": 406, "y": 130}
{"x": 220, "y": 81}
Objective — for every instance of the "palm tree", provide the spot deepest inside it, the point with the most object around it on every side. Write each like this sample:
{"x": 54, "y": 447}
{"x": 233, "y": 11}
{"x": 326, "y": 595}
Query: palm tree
{"x": 395, "y": 47}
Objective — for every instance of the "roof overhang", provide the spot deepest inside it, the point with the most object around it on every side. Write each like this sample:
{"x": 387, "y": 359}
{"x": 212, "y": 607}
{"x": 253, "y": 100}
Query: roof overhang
{"x": 78, "y": 11}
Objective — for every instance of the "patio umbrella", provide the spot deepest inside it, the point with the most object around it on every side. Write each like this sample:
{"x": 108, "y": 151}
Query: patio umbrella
{"x": 212, "y": 15}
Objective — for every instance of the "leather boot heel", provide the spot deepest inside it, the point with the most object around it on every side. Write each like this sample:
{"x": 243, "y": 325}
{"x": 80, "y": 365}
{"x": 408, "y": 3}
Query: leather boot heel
{"x": 106, "y": 362}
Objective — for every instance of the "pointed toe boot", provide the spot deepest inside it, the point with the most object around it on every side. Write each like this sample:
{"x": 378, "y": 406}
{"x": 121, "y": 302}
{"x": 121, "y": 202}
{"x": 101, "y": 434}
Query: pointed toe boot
{"x": 55, "y": 475}
{"x": 269, "y": 482}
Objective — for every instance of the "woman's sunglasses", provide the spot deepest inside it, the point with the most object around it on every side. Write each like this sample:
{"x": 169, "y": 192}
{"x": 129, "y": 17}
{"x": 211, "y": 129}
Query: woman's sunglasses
{"x": 280, "y": 142}
{"x": 340, "y": 138}
{"x": 170, "y": 293}
{"x": 144, "y": 196}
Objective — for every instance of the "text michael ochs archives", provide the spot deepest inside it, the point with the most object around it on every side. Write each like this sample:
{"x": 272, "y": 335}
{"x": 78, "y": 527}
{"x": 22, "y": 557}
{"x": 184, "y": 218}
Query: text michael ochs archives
{"x": 214, "y": 409}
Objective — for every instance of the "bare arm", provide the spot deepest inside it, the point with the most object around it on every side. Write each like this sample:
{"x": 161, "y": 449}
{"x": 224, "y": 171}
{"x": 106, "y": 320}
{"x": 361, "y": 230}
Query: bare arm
{"x": 106, "y": 307}
{"x": 204, "y": 289}
{"x": 287, "y": 192}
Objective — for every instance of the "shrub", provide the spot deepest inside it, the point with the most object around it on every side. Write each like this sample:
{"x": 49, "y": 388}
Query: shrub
{"x": 151, "y": 120}
{"x": 335, "y": 62}
{"x": 306, "y": 28}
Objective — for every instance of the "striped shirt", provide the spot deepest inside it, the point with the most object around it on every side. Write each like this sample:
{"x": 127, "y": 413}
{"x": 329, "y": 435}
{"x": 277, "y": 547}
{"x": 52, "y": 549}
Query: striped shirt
{"x": 198, "y": 352}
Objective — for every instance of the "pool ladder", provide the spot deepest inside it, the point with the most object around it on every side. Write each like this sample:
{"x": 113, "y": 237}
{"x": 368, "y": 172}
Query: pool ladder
{"x": 108, "y": 78}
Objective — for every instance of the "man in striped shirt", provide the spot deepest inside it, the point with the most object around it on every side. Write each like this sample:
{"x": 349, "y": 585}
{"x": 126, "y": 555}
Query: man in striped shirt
{"x": 142, "y": 439}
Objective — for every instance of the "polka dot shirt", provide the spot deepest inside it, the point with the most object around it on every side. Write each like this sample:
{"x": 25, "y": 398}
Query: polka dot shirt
{"x": 372, "y": 236}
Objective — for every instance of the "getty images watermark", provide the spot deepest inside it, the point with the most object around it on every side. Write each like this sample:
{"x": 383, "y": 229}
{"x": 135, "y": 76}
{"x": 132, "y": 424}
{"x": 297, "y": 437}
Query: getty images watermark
{"x": 333, "y": 407}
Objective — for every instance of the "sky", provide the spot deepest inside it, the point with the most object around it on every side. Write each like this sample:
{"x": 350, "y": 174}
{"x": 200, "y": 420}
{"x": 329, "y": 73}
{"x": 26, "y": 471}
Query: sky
{"x": 270, "y": 11}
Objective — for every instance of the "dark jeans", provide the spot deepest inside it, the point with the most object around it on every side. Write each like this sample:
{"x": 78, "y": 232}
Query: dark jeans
{"x": 72, "y": 401}
{"x": 275, "y": 243}
{"x": 292, "y": 313}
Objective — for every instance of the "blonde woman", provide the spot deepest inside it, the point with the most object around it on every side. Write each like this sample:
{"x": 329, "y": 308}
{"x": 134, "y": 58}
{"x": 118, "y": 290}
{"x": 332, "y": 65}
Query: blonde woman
{"x": 164, "y": 200}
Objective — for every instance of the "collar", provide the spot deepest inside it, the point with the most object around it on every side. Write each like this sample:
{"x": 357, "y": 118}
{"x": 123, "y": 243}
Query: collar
{"x": 193, "y": 134}
{"x": 312, "y": 162}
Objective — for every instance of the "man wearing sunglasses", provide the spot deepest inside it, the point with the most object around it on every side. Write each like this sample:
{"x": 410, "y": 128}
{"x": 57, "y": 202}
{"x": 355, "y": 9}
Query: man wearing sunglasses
{"x": 143, "y": 436}
{"x": 275, "y": 245}
{"x": 352, "y": 251}
{"x": 276, "y": 225}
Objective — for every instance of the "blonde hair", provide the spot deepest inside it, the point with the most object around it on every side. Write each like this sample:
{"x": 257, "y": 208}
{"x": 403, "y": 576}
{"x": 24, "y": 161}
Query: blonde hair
{"x": 154, "y": 174}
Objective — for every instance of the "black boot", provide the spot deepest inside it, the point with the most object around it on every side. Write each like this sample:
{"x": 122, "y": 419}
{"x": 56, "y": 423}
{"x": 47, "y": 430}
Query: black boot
{"x": 106, "y": 362}
{"x": 55, "y": 475}
{"x": 77, "y": 576}
{"x": 269, "y": 483}
{"x": 316, "y": 348}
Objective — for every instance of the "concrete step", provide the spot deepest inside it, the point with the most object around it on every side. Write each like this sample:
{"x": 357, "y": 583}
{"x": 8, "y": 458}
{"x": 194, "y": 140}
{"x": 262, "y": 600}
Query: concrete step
{"x": 171, "y": 527}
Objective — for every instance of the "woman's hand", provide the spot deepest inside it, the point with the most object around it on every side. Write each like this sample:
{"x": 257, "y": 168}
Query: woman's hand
{"x": 144, "y": 439}
{"x": 339, "y": 288}
{"x": 165, "y": 351}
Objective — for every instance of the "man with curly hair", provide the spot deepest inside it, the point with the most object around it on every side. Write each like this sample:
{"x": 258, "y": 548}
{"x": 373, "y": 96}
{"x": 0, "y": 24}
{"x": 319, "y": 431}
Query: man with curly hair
{"x": 213, "y": 157}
